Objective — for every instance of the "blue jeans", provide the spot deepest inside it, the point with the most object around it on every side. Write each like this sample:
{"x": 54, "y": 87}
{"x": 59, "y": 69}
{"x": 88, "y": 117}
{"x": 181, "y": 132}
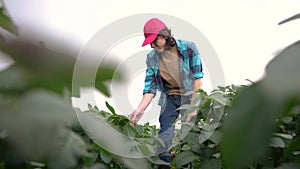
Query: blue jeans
{"x": 167, "y": 118}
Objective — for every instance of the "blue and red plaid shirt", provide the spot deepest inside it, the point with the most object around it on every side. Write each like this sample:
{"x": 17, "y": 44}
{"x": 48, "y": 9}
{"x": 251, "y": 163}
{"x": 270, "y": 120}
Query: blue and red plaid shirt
{"x": 190, "y": 69}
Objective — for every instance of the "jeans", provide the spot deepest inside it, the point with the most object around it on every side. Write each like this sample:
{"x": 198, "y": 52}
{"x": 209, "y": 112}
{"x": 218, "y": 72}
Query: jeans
{"x": 167, "y": 118}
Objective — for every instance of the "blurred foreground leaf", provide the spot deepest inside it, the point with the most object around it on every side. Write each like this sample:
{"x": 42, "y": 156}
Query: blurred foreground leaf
{"x": 110, "y": 139}
{"x": 39, "y": 67}
{"x": 282, "y": 79}
{"x": 37, "y": 129}
{"x": 184, "y": 158}
{"x": 250, "y": 123}
{"x": 248, "y": 128}
{"x": 6, "y": 23}
{"x": 297, "y": 16}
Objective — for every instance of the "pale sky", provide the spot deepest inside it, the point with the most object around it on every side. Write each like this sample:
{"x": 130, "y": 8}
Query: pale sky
{"x": 244, "y": 33}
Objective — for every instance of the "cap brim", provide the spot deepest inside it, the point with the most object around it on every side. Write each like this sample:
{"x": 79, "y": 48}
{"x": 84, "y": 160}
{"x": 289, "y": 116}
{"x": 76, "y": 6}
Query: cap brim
{"x": 149, "y": 39}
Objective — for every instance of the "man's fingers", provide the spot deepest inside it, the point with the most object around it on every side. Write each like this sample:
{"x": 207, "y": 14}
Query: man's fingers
{"x": 135, "y": 117}
{"x": 130, "y": 116}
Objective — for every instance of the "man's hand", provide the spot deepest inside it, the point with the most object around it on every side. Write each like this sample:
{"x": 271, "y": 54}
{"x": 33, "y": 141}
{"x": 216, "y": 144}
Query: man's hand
{"x": 190, "y": 115}
{"x": 135, "y": 116}
{"x": 197, "y": 84}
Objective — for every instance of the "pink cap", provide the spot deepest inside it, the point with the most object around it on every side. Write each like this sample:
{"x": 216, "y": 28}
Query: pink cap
{"x": 151, "y": 29}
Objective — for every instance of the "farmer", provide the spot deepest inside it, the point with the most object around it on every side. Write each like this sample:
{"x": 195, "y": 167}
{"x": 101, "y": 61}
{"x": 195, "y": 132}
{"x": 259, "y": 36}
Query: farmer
{"x": 173, "y": 68}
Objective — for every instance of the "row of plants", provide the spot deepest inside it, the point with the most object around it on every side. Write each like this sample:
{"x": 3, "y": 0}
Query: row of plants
{"x": 254, "y": 126}
{"x": 200, "y": 142}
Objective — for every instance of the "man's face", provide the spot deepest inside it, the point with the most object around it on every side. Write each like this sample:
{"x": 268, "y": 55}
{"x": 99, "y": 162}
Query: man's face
{"x": 159, "y": 44}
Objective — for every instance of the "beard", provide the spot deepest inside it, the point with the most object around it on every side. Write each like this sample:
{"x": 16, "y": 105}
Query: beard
{"x": 165, "y": 48}
{"x": 160, "y": 50}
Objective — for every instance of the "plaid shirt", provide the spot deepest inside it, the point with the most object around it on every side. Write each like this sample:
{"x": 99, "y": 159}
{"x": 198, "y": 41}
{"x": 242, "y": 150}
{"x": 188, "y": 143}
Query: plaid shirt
{"x": 190, "y": 69}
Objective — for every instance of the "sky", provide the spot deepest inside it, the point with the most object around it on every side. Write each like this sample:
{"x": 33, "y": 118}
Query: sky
{"x": 244, "y": 33}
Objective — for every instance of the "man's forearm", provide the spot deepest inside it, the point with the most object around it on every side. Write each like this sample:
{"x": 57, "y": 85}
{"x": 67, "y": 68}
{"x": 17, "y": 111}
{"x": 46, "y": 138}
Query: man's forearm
{"x": 147, "y": 98}
{"x": 197, "y": 84}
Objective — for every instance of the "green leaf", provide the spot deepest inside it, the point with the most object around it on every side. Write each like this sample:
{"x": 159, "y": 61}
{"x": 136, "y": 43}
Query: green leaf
{"x": 219, "y": 97}
{"x": 104, "y": 135}
{"x": 111, "y": 109}
{"x": 285, "y": 136}
{"x": 139, "y": 130}
{"x": 297, "y": 16}
{"x": 104, "y": 114}
{"x": 66, "y": 156}
{"x": 134, "y": 163}
{"x": 205, "y": 135}
{"x": 123, "y": 121}
{"x": 157, "y": 160}
{"x": 6, "y": 22}
{"x": 152, "y": 149}
{"x": 293, "y": 146}
{"x": 160, "y": 142}
{"x": 188, "y": 107}
{"x": 185, "y": 129}
{"x": 287, "y": 119}
{"x": 197, "y": 99}
{"x": 277, "y": 142}
{"x": 144, "y": 149}
{"x": 129, "y": 131}
{"x": 102, "y": 88}
{"x": 37, "y": 164}
{"x": 248, "y": 127}
{"x": 13, "y": 80}
{"x": 105, "y": 156}
{"x": 216, "y": 137}
{"x": 91, "y": 108}
{"x": 91, "y": 158}
{"x": 37, "y": 127}
{"x": 185, "y": 147}
{"x": 192, "y": 138}
{"x": 185, "y": 157}
{"x": 52, "y": 70}
{"x": 206, "y": 102}
{"x": 286, "y": 66}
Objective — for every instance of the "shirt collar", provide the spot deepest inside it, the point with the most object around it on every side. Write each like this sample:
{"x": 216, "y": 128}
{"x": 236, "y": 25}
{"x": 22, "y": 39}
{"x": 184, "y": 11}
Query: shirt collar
{"x": 179, "y": 45}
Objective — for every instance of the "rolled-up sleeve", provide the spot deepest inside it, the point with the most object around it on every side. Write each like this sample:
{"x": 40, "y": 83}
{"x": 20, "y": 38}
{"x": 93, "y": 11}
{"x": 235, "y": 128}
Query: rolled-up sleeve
{"x": 195, "y": 61}
{"x": 150, "y": 85}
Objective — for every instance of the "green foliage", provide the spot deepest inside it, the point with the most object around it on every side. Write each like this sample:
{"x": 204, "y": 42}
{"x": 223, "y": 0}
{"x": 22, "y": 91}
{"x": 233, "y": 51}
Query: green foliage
{"x": 297, "y": 16}
{"x": 255, "y": 111}
{"x": 200, "y": 140}
{"x": 251, "y": 119}
{"x": 253, "y": 126}
{"x": 140, "y": 140}
{"x": 38, "y": 125}
{"x": 5, "y": 21}
{"x": 39, "y": 67}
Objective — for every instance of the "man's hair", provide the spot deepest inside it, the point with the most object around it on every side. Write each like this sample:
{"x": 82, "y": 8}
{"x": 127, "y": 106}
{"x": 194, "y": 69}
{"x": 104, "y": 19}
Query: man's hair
{"x": 166, "y": 33}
